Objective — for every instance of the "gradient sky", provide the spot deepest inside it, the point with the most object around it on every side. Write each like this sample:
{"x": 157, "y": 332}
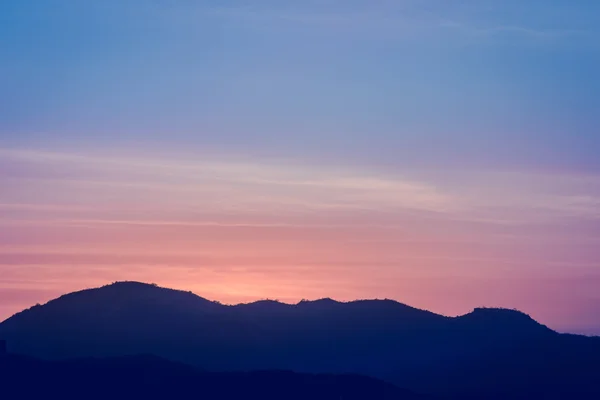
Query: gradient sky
{"x": 441, "y": 153}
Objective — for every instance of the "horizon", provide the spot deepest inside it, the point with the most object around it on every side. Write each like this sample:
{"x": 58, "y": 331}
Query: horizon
{"x": 441, "y": 153}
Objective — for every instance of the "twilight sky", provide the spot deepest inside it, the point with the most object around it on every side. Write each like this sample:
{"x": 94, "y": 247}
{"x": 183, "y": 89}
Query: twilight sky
{"x": 441, "y": 153}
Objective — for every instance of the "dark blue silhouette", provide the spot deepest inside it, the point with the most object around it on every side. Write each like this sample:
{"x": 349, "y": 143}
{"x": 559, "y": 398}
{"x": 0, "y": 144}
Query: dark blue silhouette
{"x": 147, "y": 377}
{"x": 479, "y": 355}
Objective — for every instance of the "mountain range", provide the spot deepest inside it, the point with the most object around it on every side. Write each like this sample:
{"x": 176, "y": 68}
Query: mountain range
{"x": 488, "y": 353}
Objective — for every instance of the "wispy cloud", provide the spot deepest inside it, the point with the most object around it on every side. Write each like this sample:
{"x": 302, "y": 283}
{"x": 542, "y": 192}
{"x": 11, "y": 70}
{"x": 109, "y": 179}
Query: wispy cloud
{"x": 398, "y": 20}
{"x": 219, "y": 185}
{"x": 492, "y": 30}
{"x": 250, "y": 183}
{"x": 44, "y": 207}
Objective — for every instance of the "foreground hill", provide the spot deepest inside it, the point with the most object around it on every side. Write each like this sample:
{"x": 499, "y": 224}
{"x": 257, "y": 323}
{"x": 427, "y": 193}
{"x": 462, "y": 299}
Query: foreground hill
{"x": 486, "y": 351}
{"x": 148, "y": 377}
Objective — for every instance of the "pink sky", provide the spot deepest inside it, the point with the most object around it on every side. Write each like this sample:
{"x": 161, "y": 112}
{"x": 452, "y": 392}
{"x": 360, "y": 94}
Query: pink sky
{"x": 240, "y": 230}
{"x": 440, "y": 153}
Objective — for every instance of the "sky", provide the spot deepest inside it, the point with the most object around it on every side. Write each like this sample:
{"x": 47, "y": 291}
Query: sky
{"x": 440, "y": 153}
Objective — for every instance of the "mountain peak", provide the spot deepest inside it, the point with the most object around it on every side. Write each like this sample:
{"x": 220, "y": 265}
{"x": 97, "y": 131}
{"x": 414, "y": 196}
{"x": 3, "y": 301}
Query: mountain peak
{"x": 128, "y": 290}
{"x": 263, "y": 305}
{"x": 322, "y": 302}
{"x": 113, "y": 298}
{"x": 503, "y": 321}
{"x": 502, "y": 313}
{"x": 132, "y": 284}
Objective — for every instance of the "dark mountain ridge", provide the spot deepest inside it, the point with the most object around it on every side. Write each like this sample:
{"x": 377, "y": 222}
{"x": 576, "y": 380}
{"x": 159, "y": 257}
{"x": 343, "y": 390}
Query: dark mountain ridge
{"x": 134, "y": 294}
{"x": 485, "y": 350}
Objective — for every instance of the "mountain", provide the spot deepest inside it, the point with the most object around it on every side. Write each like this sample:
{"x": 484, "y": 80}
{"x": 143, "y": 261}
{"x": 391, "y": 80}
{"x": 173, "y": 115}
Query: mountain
{"x": 486, "y": 351}
{"x": 150, "y": 377}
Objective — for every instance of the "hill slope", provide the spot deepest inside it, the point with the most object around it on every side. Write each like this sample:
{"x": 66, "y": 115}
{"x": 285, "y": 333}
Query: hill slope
{"x": 488, "y": 349}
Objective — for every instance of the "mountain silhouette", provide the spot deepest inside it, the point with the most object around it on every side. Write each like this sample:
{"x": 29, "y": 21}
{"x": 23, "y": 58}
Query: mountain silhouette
{"x": 486, "y": 352}
{"x": 150, "y": 377}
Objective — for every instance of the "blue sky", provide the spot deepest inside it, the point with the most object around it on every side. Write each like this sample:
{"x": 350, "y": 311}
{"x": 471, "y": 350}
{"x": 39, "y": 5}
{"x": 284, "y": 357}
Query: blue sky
{"x": 475, "y": 83}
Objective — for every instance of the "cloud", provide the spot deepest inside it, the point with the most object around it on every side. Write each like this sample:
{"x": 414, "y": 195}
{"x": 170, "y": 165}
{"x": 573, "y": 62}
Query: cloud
{"x": 245, "y": 184}
{"x": 391, "y": 20}
{"x": 43, "y": 207}
{"x": 221, "y": 185}
{"x": 535, "y": 33}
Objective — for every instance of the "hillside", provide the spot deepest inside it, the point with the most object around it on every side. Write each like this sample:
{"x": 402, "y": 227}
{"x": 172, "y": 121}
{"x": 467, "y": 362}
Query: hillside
{"x": 485, "y": 350}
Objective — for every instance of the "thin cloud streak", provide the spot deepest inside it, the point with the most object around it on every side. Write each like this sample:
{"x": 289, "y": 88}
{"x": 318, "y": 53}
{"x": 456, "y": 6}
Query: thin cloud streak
{"x": 408, "y": 20}
{"x": 44, "y": 207}
{"x": 513, "y": 29}
{"x": 287, "y": 183}
{"x": 156, "y": 223}
{"x": 253, "y": 186}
